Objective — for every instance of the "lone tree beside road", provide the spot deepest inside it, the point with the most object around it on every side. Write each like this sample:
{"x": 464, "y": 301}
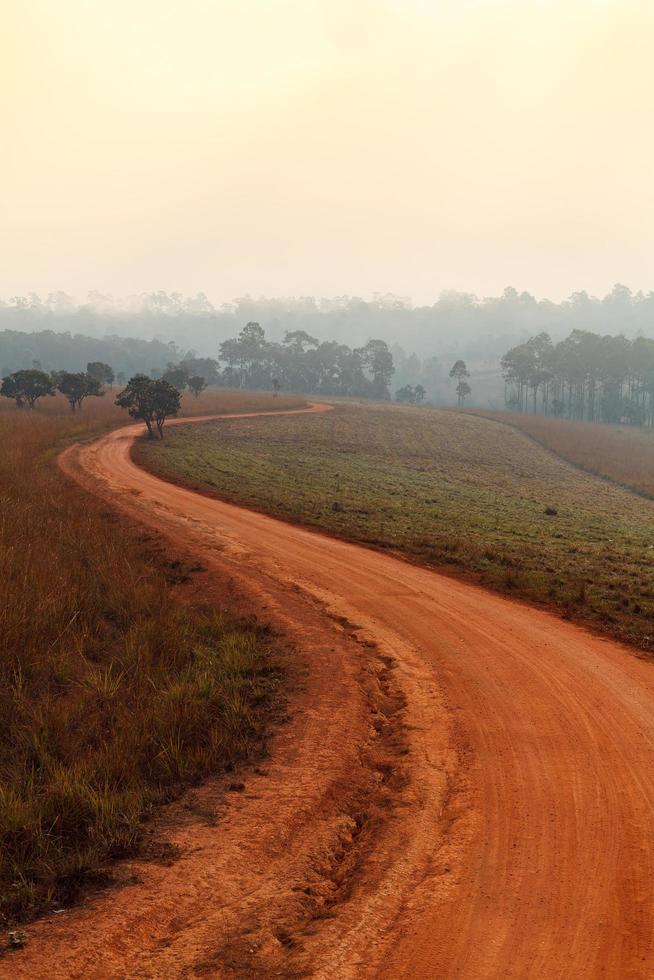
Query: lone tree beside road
{"x": 27, "y": 386}
{"x": 151, "y": 401}
{"x": 76, "y": 387}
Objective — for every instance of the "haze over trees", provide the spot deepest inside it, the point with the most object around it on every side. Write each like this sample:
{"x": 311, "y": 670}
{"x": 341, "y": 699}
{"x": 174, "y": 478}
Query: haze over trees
{"x": 300, "y": 363}
{"x": 325, "y": 346}
{"x": 456, "y": 325}
{"x": 177, "y": 376}
{"x": 197, "y": 385}
{"x": 408, "y": 395}
{"x": 587, "y": 377}
{"x": 104, "y": 373}
{"x": 77, "y": 352}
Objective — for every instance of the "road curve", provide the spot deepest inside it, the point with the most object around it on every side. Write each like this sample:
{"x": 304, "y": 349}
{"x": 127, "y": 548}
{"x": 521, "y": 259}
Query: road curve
{"x": 524, "y": 846}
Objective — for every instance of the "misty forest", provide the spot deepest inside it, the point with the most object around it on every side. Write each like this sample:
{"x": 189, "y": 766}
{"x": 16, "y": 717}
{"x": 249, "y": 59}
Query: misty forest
{"x": 584, "y": 359}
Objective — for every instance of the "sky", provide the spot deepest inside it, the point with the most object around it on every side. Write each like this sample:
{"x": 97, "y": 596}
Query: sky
{"x": 326, "y": 147}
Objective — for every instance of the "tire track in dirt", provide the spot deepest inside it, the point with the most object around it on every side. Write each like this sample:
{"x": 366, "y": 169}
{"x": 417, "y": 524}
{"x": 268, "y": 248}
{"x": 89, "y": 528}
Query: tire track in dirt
{"x": 466, "y": 787}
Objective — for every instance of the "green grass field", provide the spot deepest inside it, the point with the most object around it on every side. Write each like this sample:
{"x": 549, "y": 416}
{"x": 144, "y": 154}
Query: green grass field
{"x": 446, "y": 489}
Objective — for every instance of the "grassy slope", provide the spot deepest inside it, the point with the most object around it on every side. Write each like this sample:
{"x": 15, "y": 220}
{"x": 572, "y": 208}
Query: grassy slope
{"x": 615, "y": 452}
{"x": 112, "y": 697}
{"x": 446, "y": 489}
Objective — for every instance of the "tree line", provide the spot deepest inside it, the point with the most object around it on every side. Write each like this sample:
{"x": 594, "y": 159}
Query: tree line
{"x": 27, "y": 386}
{"x": 587, "y": 377}
{"x": 150, "y": 400}
{"x": 299, "y": 363}
{"x": 48, "y": 350}
{"x": 456, "y": 325}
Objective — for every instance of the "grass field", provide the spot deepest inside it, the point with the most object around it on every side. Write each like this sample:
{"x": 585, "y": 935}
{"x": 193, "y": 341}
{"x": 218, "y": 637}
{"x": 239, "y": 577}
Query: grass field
{"x": 112, "y": 696}
{"x": 616, "y": 452}
{"x": 447, "y": 489}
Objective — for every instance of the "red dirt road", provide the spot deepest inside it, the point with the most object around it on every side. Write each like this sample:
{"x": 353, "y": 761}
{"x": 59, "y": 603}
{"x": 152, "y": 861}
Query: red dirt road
{"x": 506, "y": 758}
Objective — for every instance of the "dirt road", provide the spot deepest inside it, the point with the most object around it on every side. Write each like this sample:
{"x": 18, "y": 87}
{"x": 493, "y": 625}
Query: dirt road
{"x": 465, "y": 789}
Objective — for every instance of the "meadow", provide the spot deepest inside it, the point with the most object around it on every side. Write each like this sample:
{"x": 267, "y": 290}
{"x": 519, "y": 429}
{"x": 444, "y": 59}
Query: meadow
{"x": 114, "y": 695}
{"x": 623, "y": 454}
{"x": 450, "y": 490}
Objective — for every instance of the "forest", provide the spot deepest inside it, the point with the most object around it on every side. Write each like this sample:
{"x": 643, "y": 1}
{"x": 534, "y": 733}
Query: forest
{"x": 586, "y": 377}
{"x": 51, "y": 351}
{"x": 300, "y": 363}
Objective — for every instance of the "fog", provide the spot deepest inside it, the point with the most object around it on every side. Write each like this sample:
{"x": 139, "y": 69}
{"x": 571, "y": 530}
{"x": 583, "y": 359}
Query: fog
{"x": 457, "y": 324}
{"x": 148, "y": 332}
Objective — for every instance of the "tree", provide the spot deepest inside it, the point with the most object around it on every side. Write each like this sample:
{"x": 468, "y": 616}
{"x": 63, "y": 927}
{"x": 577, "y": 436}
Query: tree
{"x": 166, "y": 402}
{"x": 202, "y": 367}
{"x": 459, "y": 372}
{"x": 419, "y": 393}
{"x": 104, "y": 373}
{"x": 462, "y": 390}
{"x": 197, "y": 385}
{"x": 77, "y": 387}
{"x": 151, "y": 401}
{"x": 542, "y": 354}
{"x": 177, "y": 376}
{"x": 276, "y": 385}
{"x": 298, "y": 340}
{"x": 27, "y": 386}
{"x": 405, "y": 395}
{"x": 378, "y": 360}
{"x": 252, "y": 351}
{"x": 11, "y": 389}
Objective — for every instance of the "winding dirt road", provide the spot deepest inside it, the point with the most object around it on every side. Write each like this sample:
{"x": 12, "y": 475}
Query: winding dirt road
{"x": 465, "y": 788}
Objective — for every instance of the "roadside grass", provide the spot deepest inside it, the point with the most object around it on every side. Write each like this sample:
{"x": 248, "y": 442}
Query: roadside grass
{"x": 113, "y": 695}
{"x": 450, "y": 490}
{"x": 619, "y": 453}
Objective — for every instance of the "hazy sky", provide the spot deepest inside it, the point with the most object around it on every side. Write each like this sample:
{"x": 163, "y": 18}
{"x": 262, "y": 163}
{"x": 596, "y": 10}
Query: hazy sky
{"x": 326, "y": 146}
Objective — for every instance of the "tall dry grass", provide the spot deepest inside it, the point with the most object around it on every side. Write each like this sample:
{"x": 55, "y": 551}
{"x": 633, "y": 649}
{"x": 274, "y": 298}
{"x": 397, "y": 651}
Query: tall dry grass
{"x": 622, "y": 454}
{"x": 112, "y": 697}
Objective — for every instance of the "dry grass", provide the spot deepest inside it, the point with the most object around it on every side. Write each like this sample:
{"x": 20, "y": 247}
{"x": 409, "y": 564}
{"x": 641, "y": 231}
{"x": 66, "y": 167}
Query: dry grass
{"x": 447, "y": 489}
{"x": 622, "y": 454}
{"x": 112, "y": 696}
{"x": 99, "y": 413}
